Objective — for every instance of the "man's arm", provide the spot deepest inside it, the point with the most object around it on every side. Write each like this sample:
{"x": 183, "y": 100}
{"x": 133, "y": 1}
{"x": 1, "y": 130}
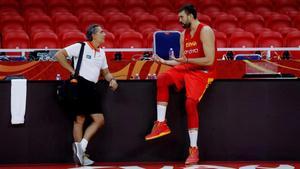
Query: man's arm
{"x": 109, "y": 77}
{"x": 208, "y": 40}
{"x": 61, "y": 56}
{"x": 181, "y": 52}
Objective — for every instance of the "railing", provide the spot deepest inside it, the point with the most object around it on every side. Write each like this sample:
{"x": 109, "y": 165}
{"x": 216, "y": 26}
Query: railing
{"x": 267, "y": 50}
{"x": 23, "y": 51}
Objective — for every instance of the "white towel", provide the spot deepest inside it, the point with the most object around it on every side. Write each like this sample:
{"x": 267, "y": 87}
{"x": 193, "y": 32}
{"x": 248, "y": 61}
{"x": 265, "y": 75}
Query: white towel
{"x": 18, "y": 100}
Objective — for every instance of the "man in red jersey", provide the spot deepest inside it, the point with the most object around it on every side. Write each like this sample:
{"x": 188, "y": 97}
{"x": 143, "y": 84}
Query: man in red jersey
{"x": 194, "y": 70}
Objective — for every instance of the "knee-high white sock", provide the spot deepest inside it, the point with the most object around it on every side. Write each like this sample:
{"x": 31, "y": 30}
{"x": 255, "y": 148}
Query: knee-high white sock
{"x": 193, "y": 133}
{"x": 84, "y": 144}
{"x": 161, "y": 113}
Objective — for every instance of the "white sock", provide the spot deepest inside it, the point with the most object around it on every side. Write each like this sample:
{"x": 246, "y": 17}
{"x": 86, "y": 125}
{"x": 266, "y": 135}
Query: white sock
{"x": 193, "y": 133}
{"x": 161, "y": 113}
{"x": 84, "y": 144}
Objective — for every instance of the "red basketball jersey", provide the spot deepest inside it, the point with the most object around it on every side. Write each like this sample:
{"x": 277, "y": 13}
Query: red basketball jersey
{"x": 193, "y": 48}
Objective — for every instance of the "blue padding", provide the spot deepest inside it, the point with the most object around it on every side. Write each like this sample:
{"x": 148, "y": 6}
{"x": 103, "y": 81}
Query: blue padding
{"x": 16, "y": 59}
{"x": 3, "y": 58}
{"x": 247, "y": 57}
{"x": 164, "y": 40}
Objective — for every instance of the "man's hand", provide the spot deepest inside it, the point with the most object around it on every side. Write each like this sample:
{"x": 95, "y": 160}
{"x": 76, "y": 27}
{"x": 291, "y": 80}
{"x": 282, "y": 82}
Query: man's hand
{"x": 113, "y": 84}
{"x": 182, "y": 59}
{"x": 158, "y": 59}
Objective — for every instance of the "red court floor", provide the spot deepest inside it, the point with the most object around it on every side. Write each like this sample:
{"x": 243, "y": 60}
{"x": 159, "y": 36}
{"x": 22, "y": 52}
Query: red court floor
{"x": 164, "y": 165}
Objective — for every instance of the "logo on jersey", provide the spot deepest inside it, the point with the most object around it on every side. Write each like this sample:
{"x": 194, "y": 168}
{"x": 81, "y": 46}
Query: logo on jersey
{"x": 191, "y": 51}
{"x": 190, "y": 44}
{"x": 88, "y": 56}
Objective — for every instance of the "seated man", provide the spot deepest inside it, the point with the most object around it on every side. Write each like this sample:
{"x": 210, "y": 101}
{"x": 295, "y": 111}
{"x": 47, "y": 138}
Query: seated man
{"x": 194, "y": 70}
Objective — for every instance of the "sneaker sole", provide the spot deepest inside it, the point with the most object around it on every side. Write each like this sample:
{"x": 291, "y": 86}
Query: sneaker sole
{"x": 192, "y": 163}
{"x": 88, "y": 164}
{"x": 87, "y": 161}
{"x": 160, "y": 135}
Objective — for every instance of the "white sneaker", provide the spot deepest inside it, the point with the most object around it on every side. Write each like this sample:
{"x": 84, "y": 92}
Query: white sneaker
{"x": 87, "y": 161}
{"x": 77, "y": 153}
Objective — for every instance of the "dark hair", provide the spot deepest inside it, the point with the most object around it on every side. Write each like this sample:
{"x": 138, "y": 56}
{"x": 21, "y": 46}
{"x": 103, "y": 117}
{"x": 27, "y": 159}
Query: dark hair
{"x": 90, "y": 31}
{"x": 189, "y": 9}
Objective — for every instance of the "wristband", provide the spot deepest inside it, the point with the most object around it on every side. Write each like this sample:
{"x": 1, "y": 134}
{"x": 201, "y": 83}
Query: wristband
{"x": 112, "y": 79}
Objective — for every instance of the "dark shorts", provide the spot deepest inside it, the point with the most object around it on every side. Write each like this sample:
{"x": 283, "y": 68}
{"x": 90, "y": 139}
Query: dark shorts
{"x": 89, "y": 98}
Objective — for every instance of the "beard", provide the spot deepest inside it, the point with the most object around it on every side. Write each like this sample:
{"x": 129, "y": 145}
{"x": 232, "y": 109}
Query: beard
{"x": 186, "y": 25}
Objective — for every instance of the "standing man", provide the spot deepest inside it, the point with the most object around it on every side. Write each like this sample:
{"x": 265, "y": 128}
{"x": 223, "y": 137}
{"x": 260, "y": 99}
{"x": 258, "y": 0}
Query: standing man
{"x": 93, "y": 64}
{"x": 194, "y": 70}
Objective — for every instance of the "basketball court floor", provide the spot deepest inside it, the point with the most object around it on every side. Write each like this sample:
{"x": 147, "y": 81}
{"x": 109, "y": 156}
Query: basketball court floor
{"x": 163, "y": 165}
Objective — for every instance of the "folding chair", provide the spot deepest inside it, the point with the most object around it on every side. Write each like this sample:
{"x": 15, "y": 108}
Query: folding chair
{"x": 163, "y": 41}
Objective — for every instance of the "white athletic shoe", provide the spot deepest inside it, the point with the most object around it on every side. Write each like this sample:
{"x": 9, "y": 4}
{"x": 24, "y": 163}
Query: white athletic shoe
{"x": 77, "y": 153}
{"x": 86, "y": 160}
